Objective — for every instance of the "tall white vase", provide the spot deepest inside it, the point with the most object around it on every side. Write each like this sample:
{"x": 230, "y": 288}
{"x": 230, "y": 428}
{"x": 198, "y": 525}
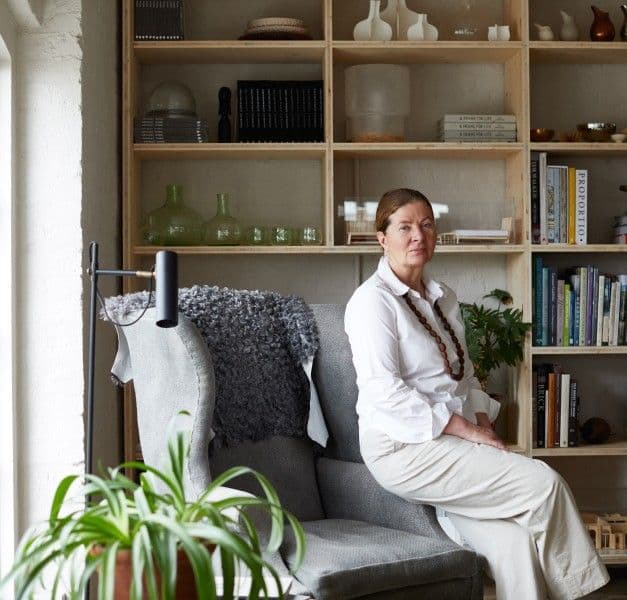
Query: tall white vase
{"x": 406, "y": 18}
{"x": 569, "y": 31}
{"x": 363, "y": 29}
{"x": 416, "y": 33}
{"x": 430, "y": 31}
{"x": 372, "y": 28}
{"x": 390, "y": 16}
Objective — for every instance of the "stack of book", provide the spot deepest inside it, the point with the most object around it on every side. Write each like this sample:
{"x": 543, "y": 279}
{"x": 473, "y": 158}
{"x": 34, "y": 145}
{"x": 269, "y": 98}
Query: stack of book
{"x": 579, "y": 307}
{"x": 158, "y": 20}
{"x": 559, "y": 199}
{"x": 555, "y": 408}
{"x": 477, "y": 128}
{"x": 280, "y": 111}
{"x": 620, "y": 229}
{"x": 163, "y": 130}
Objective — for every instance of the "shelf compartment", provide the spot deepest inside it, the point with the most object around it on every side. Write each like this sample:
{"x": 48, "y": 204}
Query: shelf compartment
{"x": 226, "y": 52}
{"x": 581, "y": 148}
{"x": 424, "y": 52}
{"x": 579, "y": 249}
{"x": 490, "y": 151}
{"x": 578, "y": 52}
{"x": 577, "y": 350}
{"x": 614, "y": 448}
{"x": 242, "y": 151}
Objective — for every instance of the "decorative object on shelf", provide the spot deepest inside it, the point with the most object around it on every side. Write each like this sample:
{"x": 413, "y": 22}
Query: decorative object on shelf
{"x": 618, "y": 138}
{"x": 569, "y": 32}
{"x": 174, "y": 223}
{"x": 224, "y": 110}
{"x": 150, "y": 230}
{"x": 257, "y": 235}
{"x": 541, "y": 134}
{"x": 477, "y": 128}
{"x": 281, "y": 235}
{"x": 171, "y": 99}
{"x": 620, "y": 236}
{"x": 113, "y": 535}
{"x": 373, "y": 28}
{"x": 493, "y": 33}
{"x": 406, "y": 18}
{"x": 430, "y": 31}
{"x": 359, "y": 219}
{"x": 222, "y": 229}
{"x": 276, "y": 28}
{"x": 309, "y": 235}
{"x": 280, "y": 111}
{"x": 482, "y": 236}
{"x": 602, "y": 28}
{"x": 623, "y": 29}
{"x": 390, "y": 16}
{"x": 159, "y": 20}
{"x": 466, "y": 27}
{"x": 544, "y": 32}
{"x": 504, "y": 33}
{"x": 494, "y": 336}
{"x": 596, "y": 132}
{"x": 608, "y": 531}
{"x": 377, "y": 102}
{"x": 596, "y": 431}
{"x": 416, "y": 32}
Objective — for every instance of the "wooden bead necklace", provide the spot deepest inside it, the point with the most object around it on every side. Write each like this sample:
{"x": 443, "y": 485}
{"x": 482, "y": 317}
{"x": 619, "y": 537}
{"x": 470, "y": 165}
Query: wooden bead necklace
{"x": 447, "y": 326}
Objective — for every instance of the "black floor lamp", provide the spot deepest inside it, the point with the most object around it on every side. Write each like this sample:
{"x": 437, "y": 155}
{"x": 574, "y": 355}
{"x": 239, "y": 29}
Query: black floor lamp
{"x": 166, "y": 303}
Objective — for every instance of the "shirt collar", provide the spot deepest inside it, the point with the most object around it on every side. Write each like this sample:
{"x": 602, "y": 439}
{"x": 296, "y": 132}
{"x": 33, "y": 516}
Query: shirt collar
{"x": 398, "y": 288}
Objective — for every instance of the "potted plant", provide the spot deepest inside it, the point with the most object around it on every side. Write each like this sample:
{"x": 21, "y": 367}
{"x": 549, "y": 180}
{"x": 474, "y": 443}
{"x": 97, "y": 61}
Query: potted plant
{"x": 494, "y": 336}
{"x": 142, "y": 541}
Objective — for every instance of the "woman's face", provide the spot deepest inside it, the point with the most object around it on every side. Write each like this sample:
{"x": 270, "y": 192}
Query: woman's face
{"x": 409, "y": 239}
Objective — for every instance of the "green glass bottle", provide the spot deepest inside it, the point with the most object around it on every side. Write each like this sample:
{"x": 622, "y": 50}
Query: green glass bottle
{"x": 174, "y": 224}
{"x": 223, "y": 229}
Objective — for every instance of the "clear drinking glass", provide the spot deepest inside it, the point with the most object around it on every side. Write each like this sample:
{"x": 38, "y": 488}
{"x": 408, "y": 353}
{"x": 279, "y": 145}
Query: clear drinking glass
{"x": 309, "y": 235}
{"x": 466, "y": 27}
{"x": 282, "y": 235}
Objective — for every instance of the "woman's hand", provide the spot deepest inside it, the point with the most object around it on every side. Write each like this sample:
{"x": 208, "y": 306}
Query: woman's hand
{"x": 477, "y": 434}
{"x": 483, "y": 420}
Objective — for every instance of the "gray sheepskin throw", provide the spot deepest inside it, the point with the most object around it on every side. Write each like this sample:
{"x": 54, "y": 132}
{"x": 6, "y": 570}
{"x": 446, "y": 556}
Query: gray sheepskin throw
{"x": 258, "y": 341}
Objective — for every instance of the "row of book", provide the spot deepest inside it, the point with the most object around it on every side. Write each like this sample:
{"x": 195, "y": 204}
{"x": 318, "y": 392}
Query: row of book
{"x": 179, "y": 129}
{"x": 578, "y": 307}
{"x": 556, "y": 407}
{"x": 559, "y": 199}
{"x": 159, "y": 20}
{"x": 477, "y": 128}
{"x": 280, "y": 111}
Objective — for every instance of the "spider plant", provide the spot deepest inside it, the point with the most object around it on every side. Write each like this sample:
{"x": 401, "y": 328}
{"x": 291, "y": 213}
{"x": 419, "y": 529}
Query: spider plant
{"x": 113, "y": 514}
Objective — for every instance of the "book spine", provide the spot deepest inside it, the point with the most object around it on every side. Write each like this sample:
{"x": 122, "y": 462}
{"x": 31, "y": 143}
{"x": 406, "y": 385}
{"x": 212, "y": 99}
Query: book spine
{"x": 571, "y": 204}
{"x": 567, "y": 315}
{"x": 479, "y": 118}
{"x": 541, "y": 404}
{"x": 563, "y": 202}
{"x": 589, "y": 305}
{"x": 581, "y": 204}
{"x": 537, "y": 300}
{"x": 542, "y": 180}
{"x": 550, "y": 410}
{"x": 557, "y": 399}
{"x": 564, "y": 409}
{"x": 552, "y": 214}
{"x": 583, "y": 304}
{"x": 573, "y": 439}
{"x": 535, "y": 198}
{"x": 613, "y": 323}
{"x": 606, "y": 310}
{"x": 477, "y": 126}
{"x": 559, "y": 334}
{"x": 553, "y": 307}
{"x": 622, "y": 321}
{"x": 600, "y": 295}
{"x": 545, "y": 305}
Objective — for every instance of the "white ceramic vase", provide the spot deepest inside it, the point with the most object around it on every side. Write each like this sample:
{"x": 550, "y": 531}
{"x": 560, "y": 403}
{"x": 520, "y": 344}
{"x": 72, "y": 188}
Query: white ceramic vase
{"x": 406, "y": 18}
{"x": 372, "y": 28}
{"x": 416, "y": 32}
{"x": 390, "y": 16}
{"x": 545, "y": 33}
{"x": 430, "y": 31}
{"x": 569, "y": 31}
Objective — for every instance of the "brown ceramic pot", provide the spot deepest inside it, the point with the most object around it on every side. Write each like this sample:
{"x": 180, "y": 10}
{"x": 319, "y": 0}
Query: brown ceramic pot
{"x": 602, "y": 29}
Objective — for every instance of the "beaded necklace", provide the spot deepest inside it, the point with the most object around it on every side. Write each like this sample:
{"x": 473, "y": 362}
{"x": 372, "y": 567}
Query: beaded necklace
{"x": 447, "y": 326}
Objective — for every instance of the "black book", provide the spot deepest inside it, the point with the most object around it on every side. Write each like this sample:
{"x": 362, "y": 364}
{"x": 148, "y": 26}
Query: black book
{"x": 573, "y": 415}
{"x": 541, "y": 389}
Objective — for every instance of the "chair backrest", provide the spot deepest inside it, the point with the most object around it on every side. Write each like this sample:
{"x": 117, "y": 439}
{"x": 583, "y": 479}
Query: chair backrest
{"x": 335, "y": 380}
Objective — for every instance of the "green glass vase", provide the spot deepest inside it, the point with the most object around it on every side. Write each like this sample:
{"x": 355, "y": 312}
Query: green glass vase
{"x": 223, "y": 229}
{"x": 173, "y": 224}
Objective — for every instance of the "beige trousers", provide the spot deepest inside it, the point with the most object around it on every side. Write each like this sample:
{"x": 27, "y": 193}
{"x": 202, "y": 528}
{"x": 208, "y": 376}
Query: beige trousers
{"x": 516, "y": 511}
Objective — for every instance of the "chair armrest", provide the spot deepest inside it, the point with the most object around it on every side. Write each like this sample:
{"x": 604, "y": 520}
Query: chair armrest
{"x": 349, "y": 491}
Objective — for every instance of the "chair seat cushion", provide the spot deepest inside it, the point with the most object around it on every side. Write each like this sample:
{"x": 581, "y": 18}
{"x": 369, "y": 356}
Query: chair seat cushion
{"x": 348, "y": 559}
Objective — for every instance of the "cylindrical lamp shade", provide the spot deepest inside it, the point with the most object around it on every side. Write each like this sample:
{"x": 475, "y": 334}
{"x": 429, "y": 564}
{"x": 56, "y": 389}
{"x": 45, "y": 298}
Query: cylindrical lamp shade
{"x": 167, "y": 293}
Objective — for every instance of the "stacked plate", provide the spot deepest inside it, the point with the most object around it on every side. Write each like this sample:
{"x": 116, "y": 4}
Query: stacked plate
{"x": 276, "y": 28}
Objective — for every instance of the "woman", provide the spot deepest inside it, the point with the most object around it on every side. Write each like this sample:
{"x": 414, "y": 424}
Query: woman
{"x": 425, "y": 425}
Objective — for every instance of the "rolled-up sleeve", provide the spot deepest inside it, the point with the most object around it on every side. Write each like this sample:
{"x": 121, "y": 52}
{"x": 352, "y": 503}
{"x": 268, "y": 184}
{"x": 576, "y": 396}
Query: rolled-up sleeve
{"x": 384, "y": 396}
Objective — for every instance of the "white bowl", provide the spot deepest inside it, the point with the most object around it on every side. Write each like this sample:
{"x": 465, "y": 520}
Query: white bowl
{"x": 619, "y": 138}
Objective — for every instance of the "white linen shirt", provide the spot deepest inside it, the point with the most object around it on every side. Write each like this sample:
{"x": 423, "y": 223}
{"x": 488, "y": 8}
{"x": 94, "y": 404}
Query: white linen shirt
{"x": 404, "y": 389}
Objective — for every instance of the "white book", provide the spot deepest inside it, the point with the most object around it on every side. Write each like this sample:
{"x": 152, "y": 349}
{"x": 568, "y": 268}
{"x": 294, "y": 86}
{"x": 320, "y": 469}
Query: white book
{"x": 564, "y": 406}
{"x": 581, "y": 206}
{"x": 542, "y": 185}
{"x": 476, "y": 138}
{"x": 479, "y": 118}
{"x": 600, "y": 295}
{"x": 475, "y": 126}
{"x": 481, "y": 232}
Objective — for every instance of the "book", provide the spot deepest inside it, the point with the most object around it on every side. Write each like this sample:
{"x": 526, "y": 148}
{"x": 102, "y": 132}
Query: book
{"x": 541, "y": 389}
{"x": 622, "y": 318}
{"x": 581, "y": 206}
{"x": 583, "y": 304}
{"x": 535, "y": 197}
{"x": 477, "y": 126}
{"x": 571, "y": 204}
{"x": 559, "y": 334}
{"x": 479, "y": 118}
{"x": 553, "y": 307}
{"x": 537, "y": 300}
{"x": 573, "y": 415}
{"x": 567, "y": 315}
{"x": 562, "y": 197}
{"x": 546, "y": 302}
{"x": 552, "y": 214}
{"x": 551, "y": 409}
{"x": 564, "y": 409}
{"x": 600, "y": 301}
{"x": 542, "y": 179}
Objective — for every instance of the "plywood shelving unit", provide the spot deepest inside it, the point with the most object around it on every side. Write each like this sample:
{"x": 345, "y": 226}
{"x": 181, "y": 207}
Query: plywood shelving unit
{"x": 446, "y": 76}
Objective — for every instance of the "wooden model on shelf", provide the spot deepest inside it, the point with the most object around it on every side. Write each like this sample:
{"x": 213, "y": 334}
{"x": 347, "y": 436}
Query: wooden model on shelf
{"x": 609, "y": 532}
{"x": 484, "y": 236}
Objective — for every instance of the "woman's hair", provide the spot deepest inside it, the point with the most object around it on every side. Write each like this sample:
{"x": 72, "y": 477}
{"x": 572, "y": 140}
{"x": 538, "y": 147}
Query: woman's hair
{"x": 391, "y": 201}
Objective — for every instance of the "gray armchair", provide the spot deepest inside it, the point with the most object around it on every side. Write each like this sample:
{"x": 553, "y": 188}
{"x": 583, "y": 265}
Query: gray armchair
{"x": 362, "y": 542}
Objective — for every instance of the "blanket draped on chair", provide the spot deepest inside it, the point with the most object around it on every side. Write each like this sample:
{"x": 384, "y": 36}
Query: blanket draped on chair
{"x": 259, "y": 342}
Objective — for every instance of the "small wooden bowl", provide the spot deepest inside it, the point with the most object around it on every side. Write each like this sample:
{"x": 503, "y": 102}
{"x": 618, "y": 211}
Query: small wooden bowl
{"x": 541, "y": 134}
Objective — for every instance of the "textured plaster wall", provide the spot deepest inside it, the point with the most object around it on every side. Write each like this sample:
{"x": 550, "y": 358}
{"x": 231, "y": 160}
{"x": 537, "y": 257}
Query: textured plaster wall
{"x": 66, "y": 168}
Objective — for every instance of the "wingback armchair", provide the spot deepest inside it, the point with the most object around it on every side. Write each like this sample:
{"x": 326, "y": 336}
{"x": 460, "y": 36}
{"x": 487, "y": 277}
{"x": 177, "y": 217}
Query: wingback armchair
{"x": 362, "y": 541}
